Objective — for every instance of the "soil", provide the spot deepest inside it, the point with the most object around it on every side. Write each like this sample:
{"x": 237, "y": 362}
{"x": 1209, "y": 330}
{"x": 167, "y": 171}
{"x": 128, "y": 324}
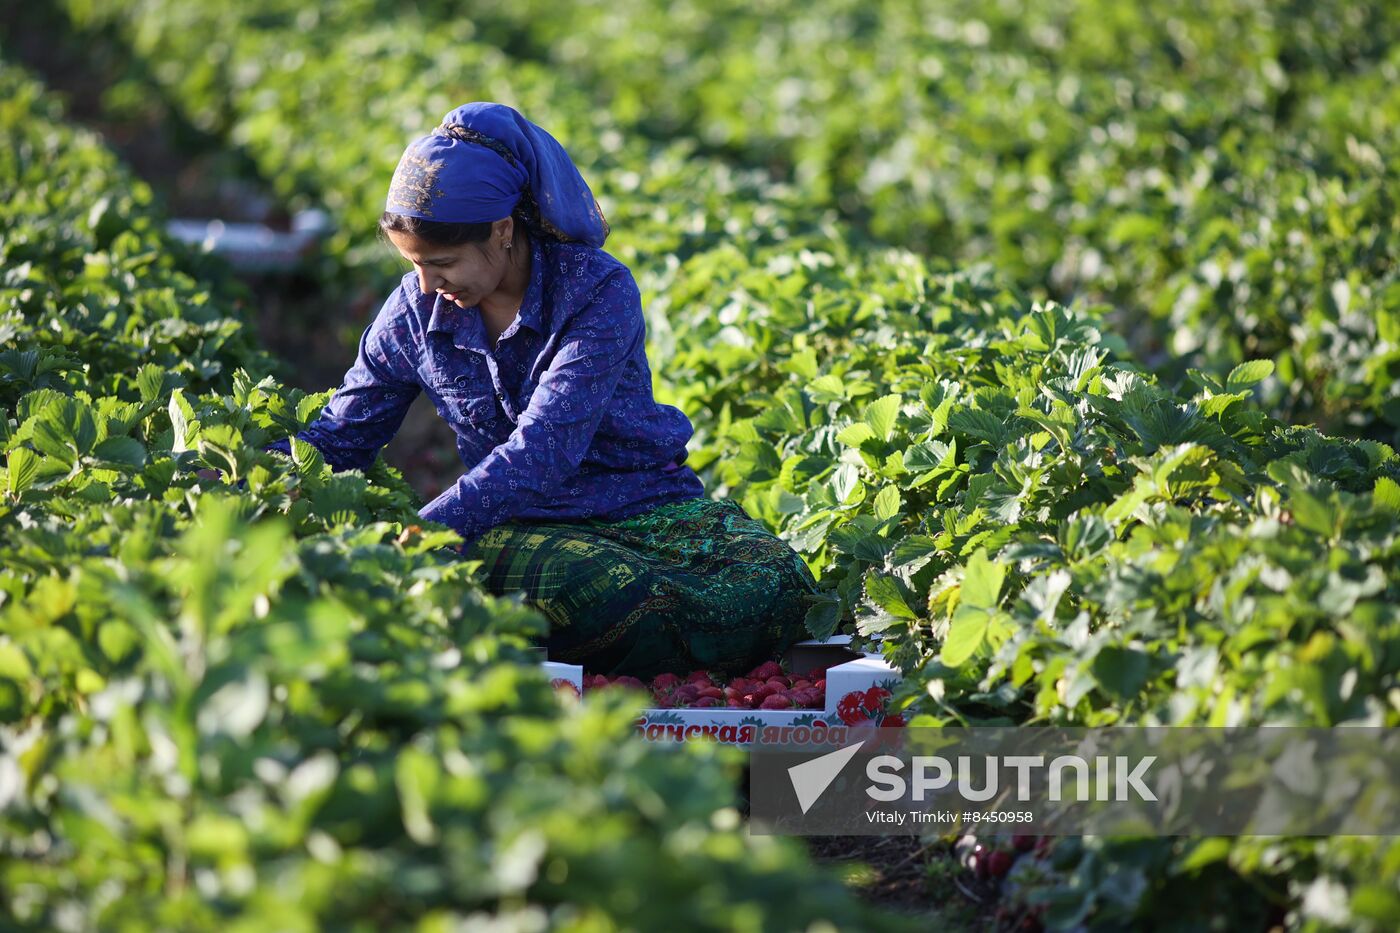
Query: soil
{"x": 905, "y": 875}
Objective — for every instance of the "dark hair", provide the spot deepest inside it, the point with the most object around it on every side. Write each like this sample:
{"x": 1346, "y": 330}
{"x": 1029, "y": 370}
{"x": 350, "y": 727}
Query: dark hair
{"x": 436, "y": 232}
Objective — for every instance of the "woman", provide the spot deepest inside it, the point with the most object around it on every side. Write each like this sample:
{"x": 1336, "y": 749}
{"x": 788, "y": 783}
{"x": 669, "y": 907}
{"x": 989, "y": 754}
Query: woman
{"x": 529, "y": 339}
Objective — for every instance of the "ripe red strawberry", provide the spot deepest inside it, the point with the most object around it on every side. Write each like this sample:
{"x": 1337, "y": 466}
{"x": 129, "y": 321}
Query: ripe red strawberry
{"x": 999, "y": 863}
{"x": 624, "y": 680}
{"x": 766, "y": 670}
{"x": 665, "y": 681}
{"x": 820, "y": 683}
{"x": 1022, "y": 843}
{"x": 707, "y": 702}
{"x": 801, "y": 684}
{"x": 736, "y": 703}
{"x": 742, "y": 685}
{"x": 776, "y": 701}
{"x": 781, "y": 683}
{"x": 751, "y": 700}
{"x": 764, "y": 691}
{"x": 713, "y": 692}
{"x": 700, "y": 677}
{"x": 687, "y": 693}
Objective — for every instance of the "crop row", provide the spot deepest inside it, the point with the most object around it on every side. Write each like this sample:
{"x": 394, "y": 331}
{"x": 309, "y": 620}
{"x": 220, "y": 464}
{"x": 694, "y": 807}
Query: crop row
{"x": 1038, "y": 531}
{"x": 274, "y": 701}
{"x": 1040, "y": 534}
{"x": 1226, "y": 168}
{"x": 1223, "y": 175}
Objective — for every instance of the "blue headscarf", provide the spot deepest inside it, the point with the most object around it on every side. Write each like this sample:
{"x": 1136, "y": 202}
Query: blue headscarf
{"x": 479, "y": 165}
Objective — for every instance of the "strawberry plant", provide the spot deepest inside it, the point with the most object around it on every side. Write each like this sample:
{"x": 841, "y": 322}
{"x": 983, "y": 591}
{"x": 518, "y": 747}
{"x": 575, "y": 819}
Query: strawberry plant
{"x": 1069, "y": 487}
{"x": 274, "y": 698}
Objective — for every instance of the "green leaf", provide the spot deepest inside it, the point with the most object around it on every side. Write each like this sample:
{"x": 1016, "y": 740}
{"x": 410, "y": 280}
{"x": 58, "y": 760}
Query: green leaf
{"x": 980, "y": 424}
{"x": 307, "y": 458}
{"x": 887, "y": 503}
{"x": 1248, "y": 374}
{"x": 827, "y": 388}
{"x": 881, "y": 415}
{"x": 1387, "y": 495}
{"x": 21, "y": 466}
{"x": 64, "y": 429}
{"x": 824, "y": 617}
{"x": 123, "y": 451}
{"x": 930, "y": 455}
{"x": 416, "y": 776}
{"x": 181, "y": 418}
{"x": 884, "y": 592}
{"x": 845, "y": 481}
{"x": 854, "y": 435}
{"x": 982, "y": 581}
{"x": 1120, "y": 671}
{"x": 149, "y": 381}
{"x": 966, "y": 634}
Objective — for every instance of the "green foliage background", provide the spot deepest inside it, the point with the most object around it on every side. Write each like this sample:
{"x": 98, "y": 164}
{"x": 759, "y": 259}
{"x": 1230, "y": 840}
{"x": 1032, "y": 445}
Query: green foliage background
{"x": 1052, "y": 452}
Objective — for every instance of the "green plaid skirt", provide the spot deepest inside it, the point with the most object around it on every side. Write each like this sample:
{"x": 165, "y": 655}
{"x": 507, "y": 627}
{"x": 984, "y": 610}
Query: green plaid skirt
{"x": 688, "y": 585}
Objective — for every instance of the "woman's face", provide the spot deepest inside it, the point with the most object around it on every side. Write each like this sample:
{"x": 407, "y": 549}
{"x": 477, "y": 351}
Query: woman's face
{"x": 464, "y": 274}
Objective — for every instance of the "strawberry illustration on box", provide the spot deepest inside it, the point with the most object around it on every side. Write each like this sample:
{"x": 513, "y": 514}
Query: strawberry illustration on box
{"x": 816, "y": 695}
{"x": 859, "y": 690}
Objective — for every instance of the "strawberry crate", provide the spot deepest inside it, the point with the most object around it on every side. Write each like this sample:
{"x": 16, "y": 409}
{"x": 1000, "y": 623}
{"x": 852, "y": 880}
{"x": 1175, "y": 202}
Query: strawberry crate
{"x": 854, "y": 689}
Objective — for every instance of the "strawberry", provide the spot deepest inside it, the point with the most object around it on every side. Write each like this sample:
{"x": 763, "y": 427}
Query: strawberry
{"x": 780, "y": 682}
{"x": 700, "y": 677}
{"x": 687, "y": 693}
{"x": 764, "y": 691}
{"x": 751, "y": 700}
{"x": 776, "y": 701}
{"x": 706, "y": 702}
{"x": 801, "y": 684}
{"x": 712, "y": 692}
{"x": 737, "y": 703}
{"x": 626, "y": 681}
{"x": 766, "y": 670}
{"x": 665, "y": 681}
{"x": 1022, "y": 843}
{"x": 999, "y": 863}
{"x": 820, "y": 684}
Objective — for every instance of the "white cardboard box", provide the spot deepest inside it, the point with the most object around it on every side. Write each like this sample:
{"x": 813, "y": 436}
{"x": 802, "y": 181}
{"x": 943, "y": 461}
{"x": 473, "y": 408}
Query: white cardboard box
{"x": 856, "y": 689}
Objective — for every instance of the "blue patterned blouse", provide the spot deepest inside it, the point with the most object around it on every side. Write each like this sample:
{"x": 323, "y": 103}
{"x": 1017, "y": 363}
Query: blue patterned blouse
{"x": 557, "y": 422}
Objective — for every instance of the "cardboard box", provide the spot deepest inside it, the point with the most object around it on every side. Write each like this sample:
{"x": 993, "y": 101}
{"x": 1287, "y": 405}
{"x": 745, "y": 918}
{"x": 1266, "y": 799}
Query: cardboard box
{"x": 856, "y": 688}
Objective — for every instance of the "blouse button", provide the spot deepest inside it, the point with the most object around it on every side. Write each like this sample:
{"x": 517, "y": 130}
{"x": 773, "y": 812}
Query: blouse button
{"x": 463, "y": 380}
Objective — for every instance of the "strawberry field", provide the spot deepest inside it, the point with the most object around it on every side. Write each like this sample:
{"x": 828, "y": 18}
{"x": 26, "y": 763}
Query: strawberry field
{"x": 1060, "y": 339}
